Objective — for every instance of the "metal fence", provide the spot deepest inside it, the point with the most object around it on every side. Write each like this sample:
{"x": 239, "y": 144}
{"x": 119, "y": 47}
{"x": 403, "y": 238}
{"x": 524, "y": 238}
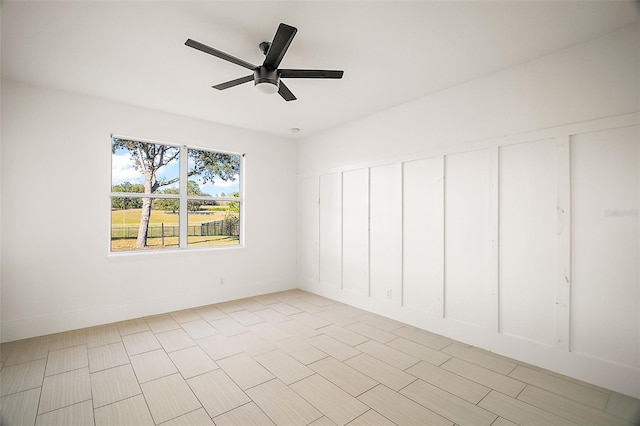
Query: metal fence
{"x": 229, "y": 228}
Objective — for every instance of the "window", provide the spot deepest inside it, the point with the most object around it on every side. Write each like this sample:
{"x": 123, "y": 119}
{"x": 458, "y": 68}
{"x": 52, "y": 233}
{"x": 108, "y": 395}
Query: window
{"x": 173, "y": 197}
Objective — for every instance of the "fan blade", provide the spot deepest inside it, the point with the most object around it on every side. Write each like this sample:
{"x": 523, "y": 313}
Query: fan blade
{"x": 286, "y": 93}
{"x": 311, "y": 73}
{"x": 279, "y": 45}
{"x": 233, "y": 83}
{"x": 218, "y": 53}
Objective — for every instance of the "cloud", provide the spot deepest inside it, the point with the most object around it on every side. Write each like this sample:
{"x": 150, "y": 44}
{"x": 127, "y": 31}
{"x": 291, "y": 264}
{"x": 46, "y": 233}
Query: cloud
{"x": 122, "y": 170}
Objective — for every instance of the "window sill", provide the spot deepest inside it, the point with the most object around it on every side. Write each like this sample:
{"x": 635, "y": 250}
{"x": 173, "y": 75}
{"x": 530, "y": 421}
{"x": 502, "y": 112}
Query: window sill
{"x": 171, "y": 253}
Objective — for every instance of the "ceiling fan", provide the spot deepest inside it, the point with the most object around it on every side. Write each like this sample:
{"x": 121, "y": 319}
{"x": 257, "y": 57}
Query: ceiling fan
{"x": 266, "y": 77}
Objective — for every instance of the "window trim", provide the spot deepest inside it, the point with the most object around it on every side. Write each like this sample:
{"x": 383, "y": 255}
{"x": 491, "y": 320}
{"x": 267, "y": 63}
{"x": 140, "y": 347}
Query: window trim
{"x": 183, "y": 198}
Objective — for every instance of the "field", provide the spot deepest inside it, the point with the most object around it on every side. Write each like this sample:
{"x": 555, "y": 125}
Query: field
{"x": 129, "y": 220}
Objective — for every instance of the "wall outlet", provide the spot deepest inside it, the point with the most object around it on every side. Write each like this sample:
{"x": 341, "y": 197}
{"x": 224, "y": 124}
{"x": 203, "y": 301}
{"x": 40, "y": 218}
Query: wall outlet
{"x": 221, "y": 281}
{"x": 389, "y": 294}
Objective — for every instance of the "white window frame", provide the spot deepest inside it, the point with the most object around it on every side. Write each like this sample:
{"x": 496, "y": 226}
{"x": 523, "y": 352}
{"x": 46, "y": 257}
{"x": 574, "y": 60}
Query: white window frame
{"x": 184, "y": 198}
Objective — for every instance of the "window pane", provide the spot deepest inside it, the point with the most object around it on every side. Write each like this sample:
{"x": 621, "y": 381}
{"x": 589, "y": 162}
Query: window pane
{"x": 130, "y": 158}
{"x": 213, "y": 223}
{"x": 213, "y": 173}
{"x": 162, "y": 231}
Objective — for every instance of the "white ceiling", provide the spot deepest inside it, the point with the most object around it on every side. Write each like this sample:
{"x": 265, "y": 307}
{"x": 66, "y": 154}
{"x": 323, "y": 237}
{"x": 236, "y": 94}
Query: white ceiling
{"x": 391, "y": 52}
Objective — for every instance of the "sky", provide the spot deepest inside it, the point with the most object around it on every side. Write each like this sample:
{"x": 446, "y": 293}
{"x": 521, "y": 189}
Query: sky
{"x": 122, "y": 170}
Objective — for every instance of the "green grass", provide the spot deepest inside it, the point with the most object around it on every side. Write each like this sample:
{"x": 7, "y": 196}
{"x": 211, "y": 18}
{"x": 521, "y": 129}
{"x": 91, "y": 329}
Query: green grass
{"x": 131, "y": 217}
{"x": 172, "y": 242}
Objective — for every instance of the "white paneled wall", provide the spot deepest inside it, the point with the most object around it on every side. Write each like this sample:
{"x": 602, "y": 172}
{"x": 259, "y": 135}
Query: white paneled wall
{"x": 527, "y": 230}
{"x": 605, "y": 255}
{"x": 525, "y": 245}
{"x": 423, "y": 235}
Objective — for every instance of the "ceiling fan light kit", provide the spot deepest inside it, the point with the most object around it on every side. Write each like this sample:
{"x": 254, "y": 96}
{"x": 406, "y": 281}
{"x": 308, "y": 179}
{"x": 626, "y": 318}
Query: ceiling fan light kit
{"x": 266, "y": 77}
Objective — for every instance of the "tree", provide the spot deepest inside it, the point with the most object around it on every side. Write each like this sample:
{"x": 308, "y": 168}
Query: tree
{"x": 149, "y": 158}
{"x": 168, "y": 204}
{"x": 127, "y": 202}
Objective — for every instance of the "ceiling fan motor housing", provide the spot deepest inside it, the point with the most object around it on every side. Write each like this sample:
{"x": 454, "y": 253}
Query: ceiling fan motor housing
{"x": 266, "y": 79}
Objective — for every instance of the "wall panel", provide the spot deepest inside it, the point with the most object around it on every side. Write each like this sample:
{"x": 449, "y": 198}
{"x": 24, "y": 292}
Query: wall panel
{"x": 331, "y": 229}
{"x": 355, "y": 231}
{"x": 527, "y": 230}
{"x": 423, "y": 235}
{"x": 386, "y": 232}
{"x": 308, "y": 228}
{"x": 605, "y": 253}
{"x": 467, "y": 250}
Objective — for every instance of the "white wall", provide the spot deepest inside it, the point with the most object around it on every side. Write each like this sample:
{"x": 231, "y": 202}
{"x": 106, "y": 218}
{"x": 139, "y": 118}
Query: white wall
{"x": 521, "y": 241}
{"x": 56, "y": 271}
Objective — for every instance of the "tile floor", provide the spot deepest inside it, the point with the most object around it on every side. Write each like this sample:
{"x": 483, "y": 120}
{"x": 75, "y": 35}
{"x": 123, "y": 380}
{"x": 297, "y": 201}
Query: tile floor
{"x": 289, "y": 358}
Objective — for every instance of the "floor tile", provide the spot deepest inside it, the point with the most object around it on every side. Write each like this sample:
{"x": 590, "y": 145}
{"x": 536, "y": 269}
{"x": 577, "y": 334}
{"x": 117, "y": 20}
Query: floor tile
{"x": 423, "y": 337}
{"x": 322, "y": 421}
{"x": 272, "y": 316}
{"x": 569, "y": 389}
{"x": 382, "y": 323}
{"x": 217, "y": 392}
{"x": 283, "y": 405}
{"x": 503, "y": 422}
{"x": 283, "y": 366}
{"x": 417, "y": 350}
{"x": 301, "y": 350}
{"x": 229, "y": 327}
{"x": 228, "y": 307}
{"x": 169, "y": 397}
{"x": 103, "y": 335}
{"x": 333, "y": 402}
{"x": 331, "y": 346}
{"x": 568, "y": 408}
{"x": 317, "y": 300}
{"x": 346, "y": 378}
{"x": 132, "y": 326}
{"x": 21, "y": 377}
{"x": 313, "y": 321}
{"x": 128, "y": 412}
{"x": 245, "y": 371}
{"x": 24, "y": 351}
{"x": 74, "y": 415}
{"x": 199, "y": 329}
{"x": 285, "y": 308}
{"x": 66, "y": 360}
{"x": 270, "y": 331}
{"x": 520, "y": 412}
{"x": 250, "y": 304}
{"x": 625, "y": 407}
{"x": 65, "y": 389}
{"x": 175, "y": 340}
{"x": 390, "y": 376}
{"x": 140, "y": 342}
{"x": 251, "y": 344}
{"x": 218, "y": 346}
{"x": 296, "y": 328}
{"x": 107, "y": 356}
{"x": 68, "y": 339}
{"x": 400, "y": 409}
{"x": 371, "y": 332}
{"x": 265, "y": 299}
{"x": 114, "y": 384}
{"x": 372, "y": 418}
{"x": 210, "y": 313}
{"x": 387, "y": 354}
{"x": 245, "y": 317}
{"x": 480, "y": 357}
{"x": 491, "y": 379}
{"x": 160, "y": 323}
{"x": 186, "y": 315}
{"x": 20, "y": 408}
{"x": 344, "y": 335}
{"x": 192, "y": 362}
{"x": 245, "y": 415}
{"x": 305, "y": 306}
{"x": 152, "y": 365}
{"x": 198, "y": 417}
{"x": 448, "y": 405}
{"x": 450, "y": 382}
